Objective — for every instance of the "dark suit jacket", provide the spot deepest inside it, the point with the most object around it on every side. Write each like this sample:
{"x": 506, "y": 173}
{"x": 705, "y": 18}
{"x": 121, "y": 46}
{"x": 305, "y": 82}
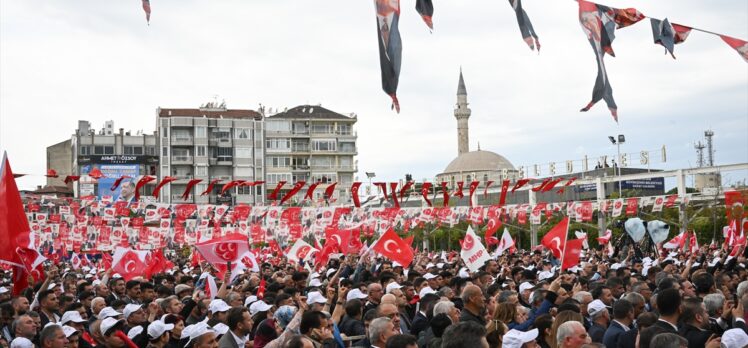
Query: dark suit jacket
{"x": 611, "y": 334}
{"x": 420, "y": 323}
{"x": 228, "y": 341}
{"x": 696, "y": 338}
{"x": 668, "y": 328}
{"x": 596, "y": 332}
{"x": 627, "y": 339}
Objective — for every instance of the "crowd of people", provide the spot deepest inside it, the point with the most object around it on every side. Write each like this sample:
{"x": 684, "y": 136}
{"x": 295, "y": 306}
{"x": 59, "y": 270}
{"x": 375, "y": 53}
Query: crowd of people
{"x": 521, "y": 300}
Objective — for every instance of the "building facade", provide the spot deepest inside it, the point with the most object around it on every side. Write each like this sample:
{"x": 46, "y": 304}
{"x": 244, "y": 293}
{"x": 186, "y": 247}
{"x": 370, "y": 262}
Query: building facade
{"x": 211, "y": 143}
{"x": 113, "y": 153}
{"x": 312, "y": 144}
{"x": 60, "y": 158}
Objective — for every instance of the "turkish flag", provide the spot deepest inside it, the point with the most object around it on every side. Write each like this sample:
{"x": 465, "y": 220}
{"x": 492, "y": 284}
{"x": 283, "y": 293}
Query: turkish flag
{"x": 341, "y": 237}
{"x": 391, "y": 246}
{"x": 331, "y": 244}
{"x": 555, "y": 239}
{"x": 604, "y": 239}
{"x": 157, "y": 263}
{"x": 301, "y": 250}
{"x": 572, "y": 252}
{"x": 14, "y": 225}
{"x": 164, "y": 181}
{"x": 492, "y": 226}
{"x": 130, "y": 265}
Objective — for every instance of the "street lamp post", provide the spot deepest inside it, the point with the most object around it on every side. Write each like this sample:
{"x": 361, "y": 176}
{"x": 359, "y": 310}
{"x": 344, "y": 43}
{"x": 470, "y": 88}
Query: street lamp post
{"x": 370, "y": 175}
{"x": 621, "y": 140}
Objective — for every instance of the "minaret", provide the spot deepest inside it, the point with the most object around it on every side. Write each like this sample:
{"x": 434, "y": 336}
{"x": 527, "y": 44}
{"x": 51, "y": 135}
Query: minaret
{"x": 462, "y": 114}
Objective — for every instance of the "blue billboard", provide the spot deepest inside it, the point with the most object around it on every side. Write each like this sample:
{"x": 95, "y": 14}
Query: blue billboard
{"x": 126, "y": 189}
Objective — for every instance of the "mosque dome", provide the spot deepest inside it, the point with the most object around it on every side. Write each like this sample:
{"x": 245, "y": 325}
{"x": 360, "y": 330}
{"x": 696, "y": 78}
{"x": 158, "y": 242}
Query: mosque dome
{"x": 476, "y": 161}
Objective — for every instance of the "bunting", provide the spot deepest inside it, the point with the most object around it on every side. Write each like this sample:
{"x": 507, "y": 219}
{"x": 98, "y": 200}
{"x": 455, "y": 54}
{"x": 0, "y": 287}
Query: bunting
{"x": 738, "y": 45}
{"x": 147, "y": 10}
{"x": 164, "y": 181}
{"x": 189, "y": 187}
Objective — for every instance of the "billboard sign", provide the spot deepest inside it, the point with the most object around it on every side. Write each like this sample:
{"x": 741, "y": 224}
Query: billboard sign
{"x": 112, "y": 172}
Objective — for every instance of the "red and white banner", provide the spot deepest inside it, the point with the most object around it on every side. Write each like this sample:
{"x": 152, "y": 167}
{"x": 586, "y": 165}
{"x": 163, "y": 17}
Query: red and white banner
{"x": 472, "y": 252}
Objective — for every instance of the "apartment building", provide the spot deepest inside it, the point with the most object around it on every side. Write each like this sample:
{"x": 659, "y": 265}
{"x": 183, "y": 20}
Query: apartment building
{"x": 211, "y": 142}
{"x": 312, "y": 144}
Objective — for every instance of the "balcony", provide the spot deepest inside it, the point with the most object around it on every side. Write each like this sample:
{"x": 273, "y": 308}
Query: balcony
{"x": 181, "y": 141}
{"x": 300, "y": 167}
{"x": 178, "y": 198}
{"x": 223, "y": 142}
{"x": 300, "y": 148}
{"x": 347, "y": 150}
{"x": 222, "y": 160}
{"x": 175, "y": 160}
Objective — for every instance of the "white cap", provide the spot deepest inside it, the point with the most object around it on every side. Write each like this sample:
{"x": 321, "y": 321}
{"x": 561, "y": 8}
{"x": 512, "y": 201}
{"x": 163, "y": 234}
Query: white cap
{"x": 516, "y": 338}
{"x": 440, "y": 265}
{"x": 116, "y": 276}
{"x": 355, "y": 294}
{"x": 196, "y": 330}
{"x": 259, "y": 306}
{"x": 250, "y": 299}
{"x": 426, "y": 290}
{"x": 315, "y": 297}
{"x": 21, "y": 342}
{"x": 430, "y": 265}
{"x": 51, "y": 286}
{"x": 463, "y": 273}
{"x": 429, "y": 276}
{"x": 396, "y": 264}
{"x": 96, "y": 282}
{"x": 734, "y": 338}
{"x": 3, "y": 290}
{"x": 73, "y": 316}
{"x": 130, "y": 309}
{"x": 69, "y": 331}
{"x": 595, "y": 306}
{"x": 157, "y": 328}
{"x": 134, "y": 332}
{"x": 108, "y": 312}
{"x": 315, "y": 283}
{"x": 615, "y": 266}
{"x": 314, "y": 275}
{"x": 330, "y": 271}
{"x": 525, "y": 286}
{"x": 107, "y": 324}
{"x": 221, "y": 328}
{"x": 545, "y": 275}
{"x": 218, "y": 306}
{"x": 392, "y": 286}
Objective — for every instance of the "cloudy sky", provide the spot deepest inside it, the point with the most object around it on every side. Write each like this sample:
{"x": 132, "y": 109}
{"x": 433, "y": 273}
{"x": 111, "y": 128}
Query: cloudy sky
{"x": 62, "y": 61}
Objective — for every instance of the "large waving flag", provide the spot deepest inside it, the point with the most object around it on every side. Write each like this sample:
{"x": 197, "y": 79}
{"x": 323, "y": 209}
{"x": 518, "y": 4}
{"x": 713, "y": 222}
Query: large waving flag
{"x": 555, "y": 239}
{"x": 391, "y": 246}
{"x": 525, "y": 27}
{"x": 572, "y": 253}
{"x": 472, "y": 251}
{"x": 300, "y": 251}
{"x": 14, "y": 225}
{"x": 390, "y": 46}
{"x": 223, "y": 250}
{"x": 506, "y": 243}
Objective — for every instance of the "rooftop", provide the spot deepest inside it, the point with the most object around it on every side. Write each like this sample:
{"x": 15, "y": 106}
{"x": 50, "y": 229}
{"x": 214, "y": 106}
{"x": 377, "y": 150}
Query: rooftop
{"x": 479, "y": 160}
{"x": 210, "y": 113}
{"x": 312, "y": 112}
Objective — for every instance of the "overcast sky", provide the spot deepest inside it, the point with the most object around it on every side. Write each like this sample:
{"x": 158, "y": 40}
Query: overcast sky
{"x": 62, "y": 61}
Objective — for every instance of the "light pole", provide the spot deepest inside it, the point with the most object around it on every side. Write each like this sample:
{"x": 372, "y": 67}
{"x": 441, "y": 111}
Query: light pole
{"x": 621, "y": 140}
{"x": 370, "y": 175}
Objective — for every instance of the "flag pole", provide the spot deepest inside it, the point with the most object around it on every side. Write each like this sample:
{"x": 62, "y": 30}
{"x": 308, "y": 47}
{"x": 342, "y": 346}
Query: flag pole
{"x": 563, "y": 252}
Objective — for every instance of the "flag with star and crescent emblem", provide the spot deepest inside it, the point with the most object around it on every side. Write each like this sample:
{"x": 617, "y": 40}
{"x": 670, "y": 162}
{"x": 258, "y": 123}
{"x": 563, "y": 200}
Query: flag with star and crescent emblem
{"x": 391, "y": 246}
{"x": 555, "y": 239}
{"x": 472, "y": 251}
{"x": 222, "y": 250}
{"x": 300, "y": 251}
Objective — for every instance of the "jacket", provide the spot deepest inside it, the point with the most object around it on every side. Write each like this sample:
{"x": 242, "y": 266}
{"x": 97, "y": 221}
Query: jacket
{"x": 611, "y": 334}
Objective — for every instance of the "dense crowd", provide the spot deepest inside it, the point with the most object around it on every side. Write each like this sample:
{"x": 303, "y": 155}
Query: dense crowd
{"x": 513, "y": 301}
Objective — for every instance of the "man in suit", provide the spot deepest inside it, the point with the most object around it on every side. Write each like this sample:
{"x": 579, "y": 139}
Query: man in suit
{"x": 623, "y": 317}
{"x": 668, "y": 303}
{"x": 600, "y": 319}
{"x": 240, "y": 326}
{"x": 628, "y": 339}
{"x": 696, "y": 326}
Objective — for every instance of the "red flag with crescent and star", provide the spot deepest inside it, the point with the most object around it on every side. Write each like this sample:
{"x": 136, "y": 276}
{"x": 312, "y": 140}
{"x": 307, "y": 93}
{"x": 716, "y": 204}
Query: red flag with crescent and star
{"x": 129, "y": 265}
{"x": 222, "y": 250}
{"x": 391, "y": 246}
{"x": 555, "y": 239}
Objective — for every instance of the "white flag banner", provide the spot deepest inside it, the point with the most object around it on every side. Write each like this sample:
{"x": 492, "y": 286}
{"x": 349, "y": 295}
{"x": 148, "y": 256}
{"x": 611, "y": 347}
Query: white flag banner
{"x": 301, "y": 250}
{"x": 617, "y": 207}
{"x": 505, "y": 243}
{"x": 473, "y": 253}
{"x": 659, "y": 202}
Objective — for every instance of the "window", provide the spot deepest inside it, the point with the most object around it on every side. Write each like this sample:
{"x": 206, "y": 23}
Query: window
{"x": 223, "y": 153}
{"x": 324, "y": 178}
{"x": 150, "y": 150}
{"x": 346, "y": 161}
{"x": 164, "y": 151}
{"x": 103, "y": 150}
{"x": 274, "y": 178}
{"x": 201, "y": 171}
{"x": 200, "y": 151}
{"x": 133, "y": 150}
{"x": 323, "y": 145}
{"x": 222, "y": 134}
{"x": 201, "y": 132}
{"x": 344, "y": 129}
{"x": 85, "y": 150}
{"x": 321, "y": 128}
{"x": 347, "y": 147}
{"x": 243, "y": 152}
{"x": 323, "y": 161}
{"x": 278, "y": 126}
{"x": 242, "y": 133}
{"x": 278, "y": 144}
{"x": 279, "y": 162}
{"x": 200, "y": 188}
{"x": 244, "y": 190}
{"x": 164, "y": 132}
{"x": 181, "y": 135}
{"x": 244, "y": 172}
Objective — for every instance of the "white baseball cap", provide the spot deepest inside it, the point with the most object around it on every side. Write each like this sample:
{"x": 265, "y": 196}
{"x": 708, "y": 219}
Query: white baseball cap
{"x": 21, "y": 342}
{"x": 73, "y": 316}
{"x": 734, "y": 338}
{"x": 525, "y": 286}
{"x": 221, "y": 328}
{"x": 595, "y": 306}
{"x": 259, "y": 306}
{"x": 69, "y": 331}
{"x": 356, "y": 294}
{"x": 4, "y": 290}
{"x": 196, "y": 330}
{"x": 157, "y": 328}
{"x": 426, "y": 290}
{"x": 108, "y": 312}
{"x": 545, "y": 275}
{"x": 392, "y": 286}
{"x": 429, "y": 276}
{"x": 315, "y": 297}
{"x": 130, "y": 309}
{"x": 250, "y": 299}
{"x": 516, "y": 338}
{"x": 107, "y": 324}
{"x": 134, "y": 332}
{"x": 216, "y": 306}
{"x": 330, "y": 271}
{"x": 315, "y": 283}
